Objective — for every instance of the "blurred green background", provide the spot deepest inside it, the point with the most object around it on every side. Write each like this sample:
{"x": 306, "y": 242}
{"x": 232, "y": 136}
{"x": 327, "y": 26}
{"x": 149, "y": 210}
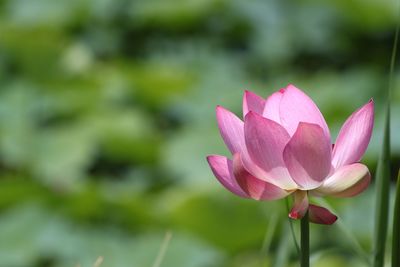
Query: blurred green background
{"x": 107, "y": 114}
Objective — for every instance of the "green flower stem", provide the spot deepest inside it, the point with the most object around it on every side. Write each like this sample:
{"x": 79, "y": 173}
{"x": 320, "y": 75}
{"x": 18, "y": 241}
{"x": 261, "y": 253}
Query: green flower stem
{"x": 396, "y": 228}
{"x": 305, "y": 241}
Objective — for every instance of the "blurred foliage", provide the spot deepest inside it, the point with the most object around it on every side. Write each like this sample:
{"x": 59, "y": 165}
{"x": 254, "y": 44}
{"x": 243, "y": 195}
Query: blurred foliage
{"x": 107, "y": 114}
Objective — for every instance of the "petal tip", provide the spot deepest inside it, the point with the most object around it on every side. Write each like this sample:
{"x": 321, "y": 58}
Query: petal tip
{"x": 371, "y": 103}
{"x": 250, "y": 115}
{"x": 334, "y": 219}
{"x": 221, "y": 111}
{"x": 209, "y": 158}
{"x": 294, "y": 215}
{"x": 328, "y": 221}
{"x": 246, "y": 94}
{"x": 213, "y": 160}
{"x": 291, "y": 86}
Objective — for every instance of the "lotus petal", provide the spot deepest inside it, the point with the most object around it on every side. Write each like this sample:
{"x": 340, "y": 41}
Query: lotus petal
{"x": 308, "y": 156}
{"x": 321, "y": 215}
{"x": 223, "y": 171}
{"x": 354, "y": 136}
{"x": 265, "y": 140}
{"x": 300, "y": 206}
{"x": 252, "y": 102}
{"x": 347, "y": 181}
{"x": 231, "y": 129}
{"x": 296, "y": 107}
{"x": 255, "y": 188}
{"x": 272, "y": 104}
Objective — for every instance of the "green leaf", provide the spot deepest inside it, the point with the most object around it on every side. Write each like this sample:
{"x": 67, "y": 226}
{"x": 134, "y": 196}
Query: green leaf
{"x": 383, "y": 176}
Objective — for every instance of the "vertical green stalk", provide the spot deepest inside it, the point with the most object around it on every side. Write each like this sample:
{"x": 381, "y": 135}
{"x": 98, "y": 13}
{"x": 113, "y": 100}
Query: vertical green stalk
{"x": 396, "y": 228}
{"x": 305, "y": 241}
{"x": 383, "y": 175}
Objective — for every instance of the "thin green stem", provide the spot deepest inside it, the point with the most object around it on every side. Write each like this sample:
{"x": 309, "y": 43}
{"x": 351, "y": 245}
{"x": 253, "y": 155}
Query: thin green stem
{"x": 396, "y": 229}
{"x": 282, "y": 254}
{"x": 296, "y": 244}
{"x": 269, "y": 234}
{"x": 305, "y": 241}
{"x": 163, "y": 249}
{"x": 349, "y": 236}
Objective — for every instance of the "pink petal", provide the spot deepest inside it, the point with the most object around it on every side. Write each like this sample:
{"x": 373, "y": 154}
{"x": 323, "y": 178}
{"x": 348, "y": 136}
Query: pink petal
{"x": 272, "y": 104}
{"x": 223, "y": 171}
{"x": 300, "y": 205}
{"x": 265, "y": 141}
{"x": 297, "y": 107}
{"x": 321, "y": 215}
{"x": 347, "y": 181}
{"x": 308, "y": 156}
{"x": 255, "y": 188}
{"x": 231, "y": 129}
{"x": 354, "y": 136}
{"x": 252, "y": 102}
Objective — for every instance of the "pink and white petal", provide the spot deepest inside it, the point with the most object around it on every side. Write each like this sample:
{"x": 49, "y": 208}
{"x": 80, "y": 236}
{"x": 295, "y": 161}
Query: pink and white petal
{"x": 347, "y": 181}
{"x": 354, "y": 136}
{"x": 296, "y": 107}
{"x": 255, "y": 188}
{"x": 252, "y": 102}
{"x": 272, "y": 104}
{"x": 321, "y": 215}
{"x": 308, "y": 156}
{"x": 261, "y": 174}
{"x": 265, "y": 140}
{"x": 300, "y": 206}
{"x": 231, "y": 129}
{"x": 222, "y": 168}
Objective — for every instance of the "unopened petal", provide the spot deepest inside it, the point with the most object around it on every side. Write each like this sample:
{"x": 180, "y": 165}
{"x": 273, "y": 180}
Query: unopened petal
{"x": 296, "y": 107}
{"x": 272, "y": 104}
{"x": 300, "y": 206}
{"x": 231, "y": 129}
{"x": 354, "y": 136}
{"x": 255, "y": 188}
{"x": 347, "y": 181}
{"x": 252, "y": 102}
{"x": 321, "y": 215}
{"x": 223, "y": 171}
{"x": 265, "y": 141}
{"x": 308, "y": 156}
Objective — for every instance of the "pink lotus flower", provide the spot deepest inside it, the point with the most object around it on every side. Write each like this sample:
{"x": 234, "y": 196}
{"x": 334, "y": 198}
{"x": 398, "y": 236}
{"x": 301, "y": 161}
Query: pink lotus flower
{"x": 284, "y": 147}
